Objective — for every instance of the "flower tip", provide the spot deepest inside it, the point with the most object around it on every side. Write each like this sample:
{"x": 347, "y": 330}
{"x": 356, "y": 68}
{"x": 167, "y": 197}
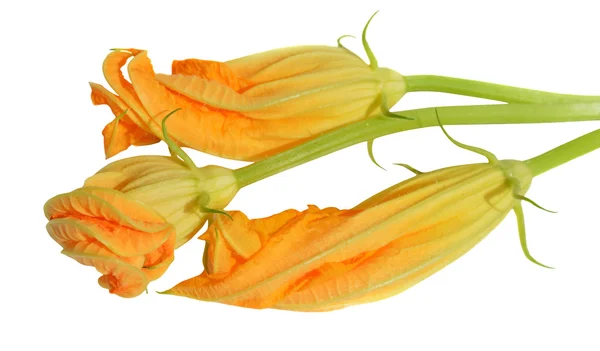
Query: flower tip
{"x": 131, "y": 51}
{"x": 539, "y": 263}
{"x": 339, "y": 40}
{"x": 109, "y": 151}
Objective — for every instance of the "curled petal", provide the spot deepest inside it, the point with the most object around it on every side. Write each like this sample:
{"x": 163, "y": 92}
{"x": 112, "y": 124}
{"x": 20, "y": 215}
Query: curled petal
{"x": 118, "y": 277}
{"x": 121, "y": 132}
{"x": 128, "y": 242}
{"x": 266, "y": 277}
{"x": 233, "y": 241}
{"x": 243, "y": 242}
{"x": 218, "y": 257}
{"x": 156, "y": 259}
{"x": 126, "y": 227}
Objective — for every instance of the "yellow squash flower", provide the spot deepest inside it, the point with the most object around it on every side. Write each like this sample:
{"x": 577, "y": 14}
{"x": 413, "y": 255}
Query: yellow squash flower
{"x": 247, "y": 108}
{"x": 326, "y": 259}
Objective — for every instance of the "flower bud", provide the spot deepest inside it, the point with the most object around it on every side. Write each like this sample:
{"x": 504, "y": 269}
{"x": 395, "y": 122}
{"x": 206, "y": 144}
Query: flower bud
{"x": 125, "y": 240}
{"x": 247, "y": 108}
{"x": 320, "y": 260}
{"x": 128, "y": 218}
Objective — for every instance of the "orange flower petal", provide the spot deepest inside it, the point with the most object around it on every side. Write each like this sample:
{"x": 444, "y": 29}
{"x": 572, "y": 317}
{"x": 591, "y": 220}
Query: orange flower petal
{"x": 223, "y": 132}
{"x": 111, "y": 68}
{"x": 319, "y": 246}
{"x": 120, "y": 133}
{"x": 156, "y": 271}
{"x": 298, "y": 97}
{"x": 265, "y": 277}
{"x": 164, "y": 253}
{"x": 407, "y": 260}
{"x": 249, "y": 108}
{"x": 209, "y": 70}
{"x": 156, "y": 263}
{"x": 126, "y": 227}
{"x": 242, "y": 241}
{"x": 77, "y": 236}
{"x": 218, "y": 257}
{"x": 118, "y": 277}
{"x": 228, "y": 133}
{"x": 265, "y": 227}
{"x": 321, "y": 260}
{"x": 231, "y": 242}
{"x": 127, "y": 132}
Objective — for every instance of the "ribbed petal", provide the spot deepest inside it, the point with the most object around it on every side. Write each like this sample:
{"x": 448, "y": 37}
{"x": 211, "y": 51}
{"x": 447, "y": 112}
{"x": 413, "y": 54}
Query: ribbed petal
{"x": 126, "y": 227}
{"x": 118, "y": 277}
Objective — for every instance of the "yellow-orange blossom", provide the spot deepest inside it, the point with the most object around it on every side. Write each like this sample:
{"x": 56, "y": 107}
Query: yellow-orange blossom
{"x": 247, "y": 108}
{"x": 127, "y": 219}
{"x": 325, "y": 259}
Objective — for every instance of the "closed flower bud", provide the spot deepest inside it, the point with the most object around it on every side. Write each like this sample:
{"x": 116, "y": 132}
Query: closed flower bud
{"x": 325, "y": 259}
{"x": 128, "y": 218}
{"x": 247, "y": 108}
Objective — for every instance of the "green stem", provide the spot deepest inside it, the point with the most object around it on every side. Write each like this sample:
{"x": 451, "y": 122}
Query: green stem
{"x": 490, "y": 91}
{"x": 564, "y": 153}
{"x": 372, "y": 128}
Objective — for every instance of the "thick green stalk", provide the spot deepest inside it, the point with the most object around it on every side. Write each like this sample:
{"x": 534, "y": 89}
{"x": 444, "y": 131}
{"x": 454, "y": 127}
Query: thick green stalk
{"x": 564, "y": 153}
{"x": 372, "y": 128}
{"x": 490, "y": 91}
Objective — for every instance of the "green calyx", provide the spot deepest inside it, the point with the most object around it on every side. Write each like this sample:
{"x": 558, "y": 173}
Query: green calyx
{"x": 218, "y": 184}
{"x": 519, "y": 176}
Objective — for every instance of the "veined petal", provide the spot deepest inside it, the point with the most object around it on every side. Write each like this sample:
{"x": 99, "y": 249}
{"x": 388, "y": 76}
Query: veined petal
{"x": 425, "y": 185}
{"x": 256, "y": 67}
{"x": 315, "y": 100}
{"x": 223, "y": 132}
{"x": 132, "y": 168}
{"x": 320, "y": 260}
{"x": 210, "y": 70}
{"x": 265, "y": 227}
{"x": 106, "y": 204}
{"x": 76, "y": 235}
{"x": 266, "y": 276}
{"x": 240, "y": 239}
{"x": 414, "y": 256}
{"x": 111, "y": 68}
{"x": 126, "y": 227}
{"x": 156, "y": 271}
{"x": 127, "y": 132}
{"x": 157, "y": 261}
{"x": 118, "y": 277}
{"x": 253, "y": 107}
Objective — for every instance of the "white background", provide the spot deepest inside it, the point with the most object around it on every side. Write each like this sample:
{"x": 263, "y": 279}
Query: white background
{"x": 490, "y": 299}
